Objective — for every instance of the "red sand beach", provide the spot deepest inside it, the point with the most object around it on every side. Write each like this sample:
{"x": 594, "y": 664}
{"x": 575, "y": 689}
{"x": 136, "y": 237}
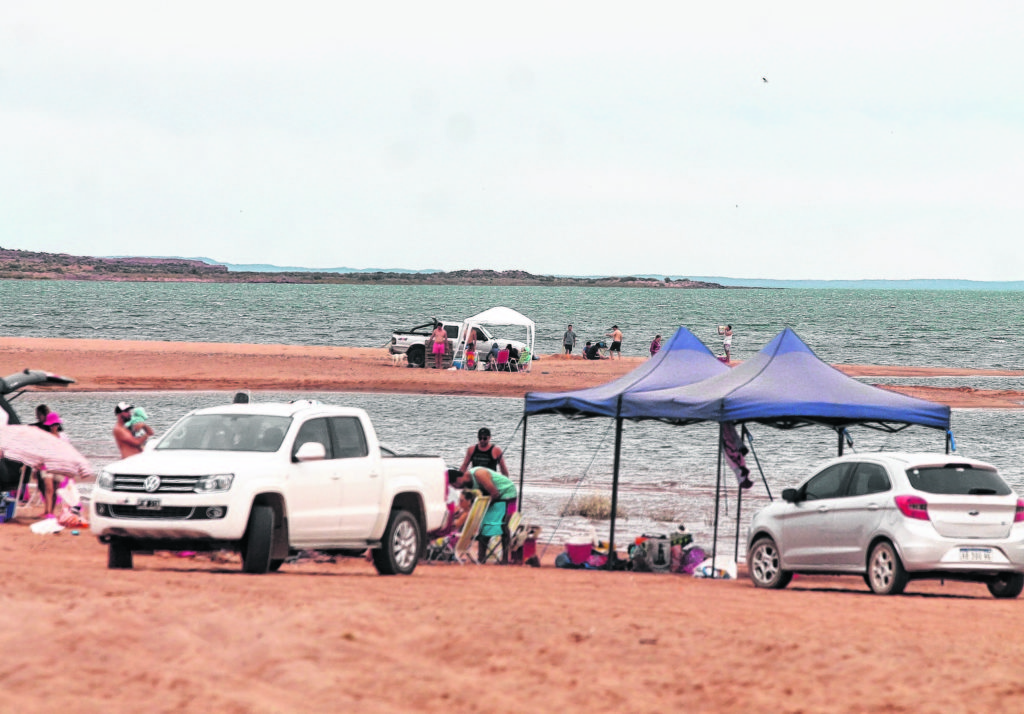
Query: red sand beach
{"x": 112, "y": 365}
{"x": 193, "y": 635}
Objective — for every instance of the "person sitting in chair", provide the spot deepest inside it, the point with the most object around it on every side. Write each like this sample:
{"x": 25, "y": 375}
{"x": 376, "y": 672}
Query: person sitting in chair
{"x": 491, "y": 360}
{"x": 513, "y": 353}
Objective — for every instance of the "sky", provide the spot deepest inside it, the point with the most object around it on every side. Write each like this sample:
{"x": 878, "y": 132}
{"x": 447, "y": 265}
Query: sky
{"x": 784, "y": 140}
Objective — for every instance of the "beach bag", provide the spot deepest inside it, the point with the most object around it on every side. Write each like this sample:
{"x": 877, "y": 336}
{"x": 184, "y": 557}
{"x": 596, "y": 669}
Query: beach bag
{"x": 652, "y": 554}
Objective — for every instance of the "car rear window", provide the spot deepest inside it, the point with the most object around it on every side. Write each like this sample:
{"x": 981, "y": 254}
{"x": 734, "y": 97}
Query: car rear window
{"x": 958, "y": 480}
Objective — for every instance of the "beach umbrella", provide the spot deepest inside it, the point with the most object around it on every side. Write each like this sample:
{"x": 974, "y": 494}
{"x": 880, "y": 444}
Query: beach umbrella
{"x": 43, "y": 451}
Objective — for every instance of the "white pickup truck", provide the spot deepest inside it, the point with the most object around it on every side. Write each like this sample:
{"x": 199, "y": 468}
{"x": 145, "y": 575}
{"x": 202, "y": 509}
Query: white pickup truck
{"x": 268, "y": 480}
{"x": 413, "y": 343}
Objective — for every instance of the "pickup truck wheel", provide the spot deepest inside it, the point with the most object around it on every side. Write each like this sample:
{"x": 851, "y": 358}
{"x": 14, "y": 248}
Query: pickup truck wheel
{"x": 119, "y": 555}
{"x": 276, "y": 564}
{"x": 400, "y": 548}
{"x": 259, "y": 537}
{"x": 416, "y": 356}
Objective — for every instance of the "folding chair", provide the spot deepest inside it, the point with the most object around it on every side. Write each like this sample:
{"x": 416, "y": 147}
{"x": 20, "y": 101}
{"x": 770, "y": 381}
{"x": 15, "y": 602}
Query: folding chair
{"x": 501, "y": 361}
{"x": 464, "y": 546}
{"x": 500, "y": 547}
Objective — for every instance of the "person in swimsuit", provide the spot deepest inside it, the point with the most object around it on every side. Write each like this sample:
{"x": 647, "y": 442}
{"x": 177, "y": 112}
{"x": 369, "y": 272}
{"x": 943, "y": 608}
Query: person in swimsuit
{"x": 484, "y": 453}
{"x": 726, "y": 332}
{"x": 439, "y": 341}
{"x": 616, "y": 347}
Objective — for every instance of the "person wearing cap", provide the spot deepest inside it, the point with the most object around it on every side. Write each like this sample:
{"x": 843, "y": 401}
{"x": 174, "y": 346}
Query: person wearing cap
{"x": 127, "y": 442}
{"x": 616, "y": 346}
{"x": 484, "y": 453}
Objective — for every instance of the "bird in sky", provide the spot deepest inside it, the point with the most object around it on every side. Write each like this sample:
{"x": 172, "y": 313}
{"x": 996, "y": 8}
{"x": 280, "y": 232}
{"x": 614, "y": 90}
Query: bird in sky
{"x": 764, "y": 79}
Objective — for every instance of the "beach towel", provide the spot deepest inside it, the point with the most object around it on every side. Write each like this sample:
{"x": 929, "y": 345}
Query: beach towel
{"x": 735, "y": 453}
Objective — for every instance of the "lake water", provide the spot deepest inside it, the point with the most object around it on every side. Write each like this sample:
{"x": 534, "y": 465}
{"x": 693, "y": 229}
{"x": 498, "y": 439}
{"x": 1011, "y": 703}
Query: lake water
{"x": 668, "y": 473}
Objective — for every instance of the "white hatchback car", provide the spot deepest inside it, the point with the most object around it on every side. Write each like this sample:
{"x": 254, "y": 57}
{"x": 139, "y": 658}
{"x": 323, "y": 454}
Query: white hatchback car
{"x": 894, "y": 517}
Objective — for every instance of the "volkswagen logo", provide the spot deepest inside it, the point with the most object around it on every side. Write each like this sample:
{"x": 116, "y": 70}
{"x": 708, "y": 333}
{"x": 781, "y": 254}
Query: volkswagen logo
{"x": 151, "y": 484}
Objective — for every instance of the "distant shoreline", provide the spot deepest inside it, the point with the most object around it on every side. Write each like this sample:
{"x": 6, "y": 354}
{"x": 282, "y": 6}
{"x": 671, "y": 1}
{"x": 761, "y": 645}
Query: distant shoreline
{"x": 29, "y": 265}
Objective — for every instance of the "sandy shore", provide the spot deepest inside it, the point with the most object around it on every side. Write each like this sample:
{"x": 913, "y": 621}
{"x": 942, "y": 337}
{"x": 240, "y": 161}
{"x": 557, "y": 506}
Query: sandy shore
{"x": 190, "y": 634}
{"x": 114, "y": 365}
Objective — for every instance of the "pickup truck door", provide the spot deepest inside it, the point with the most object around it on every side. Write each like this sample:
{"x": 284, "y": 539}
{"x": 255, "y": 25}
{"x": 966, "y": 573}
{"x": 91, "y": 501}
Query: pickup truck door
{"x": 314, "y": 490}
{"x": 360, "y": 477}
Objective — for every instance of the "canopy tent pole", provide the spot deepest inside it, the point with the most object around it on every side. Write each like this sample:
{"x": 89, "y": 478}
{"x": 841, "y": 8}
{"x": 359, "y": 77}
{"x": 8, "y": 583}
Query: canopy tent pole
{"x": 615, "y": 486}
{"x": 522, "y": 469}
{"x": 718, "y": 489}
{"x": 739, "y": 510}
{"x": 839, "y": 433}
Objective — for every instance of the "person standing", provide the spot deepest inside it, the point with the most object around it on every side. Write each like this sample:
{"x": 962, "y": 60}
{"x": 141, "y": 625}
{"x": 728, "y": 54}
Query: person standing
{"x": 127, "y": 443}
{"x": 569, "y": 340}
{"x": 484, "y": 453}
{"x": 655, "y": 345}
{"x": 726, "y": 333}
{"x": 439, "y": 342}
{"x": 616, "y": 346}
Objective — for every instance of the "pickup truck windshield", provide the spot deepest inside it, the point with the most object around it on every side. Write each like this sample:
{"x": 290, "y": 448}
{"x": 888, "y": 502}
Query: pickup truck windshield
{"x": 227, "y": 432}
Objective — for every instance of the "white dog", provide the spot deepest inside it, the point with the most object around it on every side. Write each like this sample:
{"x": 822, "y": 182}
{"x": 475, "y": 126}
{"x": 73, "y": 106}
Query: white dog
{"x": 398, "y": 360}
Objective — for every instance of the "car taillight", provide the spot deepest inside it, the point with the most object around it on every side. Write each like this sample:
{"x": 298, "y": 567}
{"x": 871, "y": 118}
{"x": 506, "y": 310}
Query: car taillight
{"x": 1019, "y": 515}
{"x": 916, "y": 507}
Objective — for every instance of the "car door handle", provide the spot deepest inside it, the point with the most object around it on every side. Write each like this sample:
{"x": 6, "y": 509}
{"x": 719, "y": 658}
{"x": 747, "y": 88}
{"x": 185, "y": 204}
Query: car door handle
{"x": 373, "y": 474}
{"x": 823, "y": 509}
{"x": 873, "y": 506}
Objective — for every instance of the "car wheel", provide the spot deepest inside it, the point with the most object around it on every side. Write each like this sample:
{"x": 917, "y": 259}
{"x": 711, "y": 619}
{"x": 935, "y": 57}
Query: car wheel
{"x": 400, "y": 549}
{"x": 1007, "y": 585}
{"x": 886, "y": 575}
{"x": 276, "y": 564}
{"x": 259, "y": 537}
{"x": 765, "y": 565}
{"x": 119, "y": 554}
{"x": 416, "y": 356}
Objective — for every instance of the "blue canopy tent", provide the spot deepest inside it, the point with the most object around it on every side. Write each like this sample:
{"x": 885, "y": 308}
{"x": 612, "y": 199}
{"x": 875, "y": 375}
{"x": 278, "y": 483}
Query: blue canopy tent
{"x": 784, "y": 386}
{"x": 684, "y": 359}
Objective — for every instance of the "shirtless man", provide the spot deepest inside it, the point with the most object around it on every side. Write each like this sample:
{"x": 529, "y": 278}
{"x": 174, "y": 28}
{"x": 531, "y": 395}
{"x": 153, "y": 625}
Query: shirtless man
{"x": 616, "y": 346}
{"x": 128, "y": 443}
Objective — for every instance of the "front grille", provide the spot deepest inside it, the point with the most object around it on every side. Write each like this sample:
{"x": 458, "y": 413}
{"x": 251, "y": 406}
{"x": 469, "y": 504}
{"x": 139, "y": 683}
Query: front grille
{"x": 168, "y": 484}
{"x": 169, "y": 512}
{"x": 179, "y": 513}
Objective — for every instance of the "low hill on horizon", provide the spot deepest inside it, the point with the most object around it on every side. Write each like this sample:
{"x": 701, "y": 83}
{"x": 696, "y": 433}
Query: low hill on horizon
{"x": 29, "y": 265}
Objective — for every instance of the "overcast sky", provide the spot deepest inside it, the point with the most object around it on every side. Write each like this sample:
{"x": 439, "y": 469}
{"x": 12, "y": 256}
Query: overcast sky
{"x": 554, "y": 137}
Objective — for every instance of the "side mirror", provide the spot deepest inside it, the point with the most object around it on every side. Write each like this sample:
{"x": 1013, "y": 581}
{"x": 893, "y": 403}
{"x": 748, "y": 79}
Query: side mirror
{"x": 311, "y": 451}
{"x": 790, "y": 495}
{"x": 150, "y": 444}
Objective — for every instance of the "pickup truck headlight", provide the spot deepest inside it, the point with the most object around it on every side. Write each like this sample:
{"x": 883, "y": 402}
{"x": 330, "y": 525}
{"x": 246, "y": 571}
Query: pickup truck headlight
{"x": 105, "y": 480}
{"x": 214, "y": 483}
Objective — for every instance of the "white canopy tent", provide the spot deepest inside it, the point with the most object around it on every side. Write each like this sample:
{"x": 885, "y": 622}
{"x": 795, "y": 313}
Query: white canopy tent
{"x": 498, "y": 316}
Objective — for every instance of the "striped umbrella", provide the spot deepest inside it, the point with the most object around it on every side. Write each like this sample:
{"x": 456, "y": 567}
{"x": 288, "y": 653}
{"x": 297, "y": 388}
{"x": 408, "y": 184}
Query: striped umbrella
{"x": 42, "y": 450}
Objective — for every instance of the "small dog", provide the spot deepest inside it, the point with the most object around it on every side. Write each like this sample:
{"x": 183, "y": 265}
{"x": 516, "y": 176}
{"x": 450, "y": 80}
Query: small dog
{"x": 398, "y": 360}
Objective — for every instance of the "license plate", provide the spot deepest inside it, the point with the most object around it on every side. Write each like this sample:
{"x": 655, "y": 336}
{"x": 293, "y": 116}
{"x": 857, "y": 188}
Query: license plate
{"x": 148, "y": 504}
{"x": 976, "y": 555}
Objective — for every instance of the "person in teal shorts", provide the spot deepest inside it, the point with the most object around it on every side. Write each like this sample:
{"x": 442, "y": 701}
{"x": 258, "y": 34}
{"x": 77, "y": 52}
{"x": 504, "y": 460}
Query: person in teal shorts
{"x": 503, "y": 495}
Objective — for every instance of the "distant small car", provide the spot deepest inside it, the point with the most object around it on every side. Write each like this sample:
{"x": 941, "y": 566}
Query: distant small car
{"x": 892, "y": 518}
